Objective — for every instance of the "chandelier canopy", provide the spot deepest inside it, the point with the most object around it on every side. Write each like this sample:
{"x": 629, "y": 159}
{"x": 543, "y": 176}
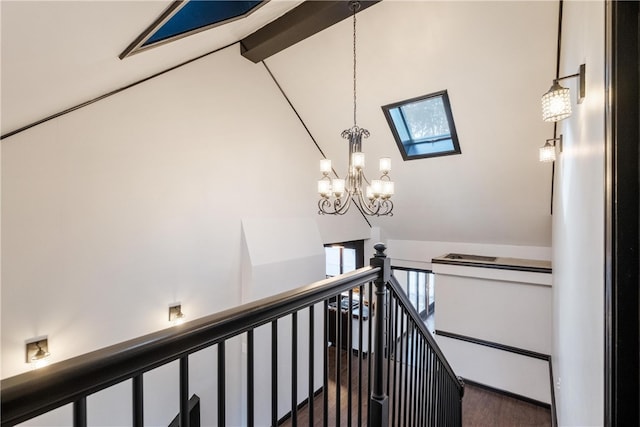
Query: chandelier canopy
{"x": 336, "y": 194}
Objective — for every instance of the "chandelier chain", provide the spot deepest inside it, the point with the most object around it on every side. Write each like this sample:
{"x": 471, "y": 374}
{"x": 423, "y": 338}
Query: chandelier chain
{"x": 354, "y": 6}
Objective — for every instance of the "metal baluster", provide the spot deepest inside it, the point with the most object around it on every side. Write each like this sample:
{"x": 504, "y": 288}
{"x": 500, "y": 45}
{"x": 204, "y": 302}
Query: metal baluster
{"x": 349, "y": 354}
{"x": 402, "y": 360}
{"x": 311, "y": 365}
{"x": 406, "y": 375}
{"x": 395, "y": 358}
{"x": 432, "y": 389}
{"x": 412, "y": 369}
{"x": 138, "y": 401}
{"x": 423, "y": 390}
{"x": 325, "y": 367}
{"x": 416, "y": 370}
{"x": 389, "y": 343}
{"x": 222, "y": 406}
{"x": 184, "y": 391}
{"x": 438, "y": 390}
{"x": 370, "y": 338}
{"x": 80, "y": 412}
{"x": 274, "y": 373}
{"x": 294, "y": 369}
{"x": 338, "y": 350}
{"x": 360, "y": 350}
{"x": 250, "y": 379}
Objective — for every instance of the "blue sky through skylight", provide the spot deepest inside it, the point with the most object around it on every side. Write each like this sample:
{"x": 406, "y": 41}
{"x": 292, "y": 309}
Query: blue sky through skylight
{"x": 197, "y": 14}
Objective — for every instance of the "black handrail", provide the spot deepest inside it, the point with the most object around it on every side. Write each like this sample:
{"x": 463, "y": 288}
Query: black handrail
{"x": 427, "y": 389}
{"x": 72, "y": 379}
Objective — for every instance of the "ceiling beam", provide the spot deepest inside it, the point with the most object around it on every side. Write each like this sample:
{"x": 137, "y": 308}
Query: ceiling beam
{"x": 305, "y": 20}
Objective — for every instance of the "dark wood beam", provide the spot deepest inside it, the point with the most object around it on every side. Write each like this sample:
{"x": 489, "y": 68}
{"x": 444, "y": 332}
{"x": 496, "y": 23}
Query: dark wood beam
{"x": 305, "y": 20}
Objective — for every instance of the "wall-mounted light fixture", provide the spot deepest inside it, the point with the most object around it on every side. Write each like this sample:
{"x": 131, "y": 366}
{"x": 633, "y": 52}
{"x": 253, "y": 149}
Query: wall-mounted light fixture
{"x": 556, "y": 103}
{"x": 37, "y": 352}
{"x": 176, "y": 316}
{"x": 548, "y": 150}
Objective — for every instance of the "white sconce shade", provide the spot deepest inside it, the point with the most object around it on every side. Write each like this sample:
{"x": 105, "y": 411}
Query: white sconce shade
{"x": 324, "y": 187}
{"x": 357, "y": 160}
{"x": 547, "y": 153}
{"x": 385, "y": 165}
{"x": 338, "y": 186}
{"x": 325, "y": 166}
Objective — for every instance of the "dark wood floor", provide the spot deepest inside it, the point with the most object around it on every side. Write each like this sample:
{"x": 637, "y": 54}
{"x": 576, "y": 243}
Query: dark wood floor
{"x": 480, "y": 407}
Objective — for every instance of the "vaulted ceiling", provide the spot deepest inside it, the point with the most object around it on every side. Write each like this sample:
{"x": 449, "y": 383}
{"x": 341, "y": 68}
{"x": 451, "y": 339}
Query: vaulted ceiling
{"x": 495, "y": 59}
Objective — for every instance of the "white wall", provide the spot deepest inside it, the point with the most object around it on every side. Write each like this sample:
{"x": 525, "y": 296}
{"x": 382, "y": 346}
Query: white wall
{"x": 114, "y": 211}
{"x": 280, "y": 255}
{"x": 508, "y": 307}
{"x": 578, "y": 227}
{"x": 418, "y": 254}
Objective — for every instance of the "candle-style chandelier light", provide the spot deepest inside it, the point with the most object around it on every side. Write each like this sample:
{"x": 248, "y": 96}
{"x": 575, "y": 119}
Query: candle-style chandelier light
{"x": 337, "y": 195}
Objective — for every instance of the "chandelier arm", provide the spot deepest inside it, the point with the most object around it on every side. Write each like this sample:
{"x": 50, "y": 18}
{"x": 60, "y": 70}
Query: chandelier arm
{"x": 370, "y": 207}
{"x": 340, "y": 207}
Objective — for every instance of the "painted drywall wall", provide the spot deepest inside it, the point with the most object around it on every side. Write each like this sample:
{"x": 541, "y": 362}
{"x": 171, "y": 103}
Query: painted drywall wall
{"x": 466, "y": 299}
{"x": 493, "y": 58}
{"x": 578, "y": 227}
{"x": 299, "y": 258}
{"x": 511, "y": 308}
{"x": 418, "y": 254}
{"x": 115, "y": 210}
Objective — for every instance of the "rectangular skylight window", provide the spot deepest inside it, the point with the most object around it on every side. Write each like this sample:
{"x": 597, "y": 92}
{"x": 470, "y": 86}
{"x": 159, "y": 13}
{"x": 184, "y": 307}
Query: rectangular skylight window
{"x": 195, "y": 15}
{"x": 183, "y": 18}
{"x": 423, "y": 126}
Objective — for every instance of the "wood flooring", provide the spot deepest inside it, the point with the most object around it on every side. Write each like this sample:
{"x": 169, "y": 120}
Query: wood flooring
{"x": 480, "y": 407}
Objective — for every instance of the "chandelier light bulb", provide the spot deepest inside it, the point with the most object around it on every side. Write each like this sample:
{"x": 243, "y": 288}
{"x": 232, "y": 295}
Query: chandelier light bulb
{"x": 387, "y": 189}
{"x": 324, "y": 187}
{"x": 358, "y": 160}
{"x": 385, "y": 165}
{"x": 337, "y": 185}
{"x": 376, "y": 187}
{"x": 369, "y": 193}
{"x": 325, "y": 166}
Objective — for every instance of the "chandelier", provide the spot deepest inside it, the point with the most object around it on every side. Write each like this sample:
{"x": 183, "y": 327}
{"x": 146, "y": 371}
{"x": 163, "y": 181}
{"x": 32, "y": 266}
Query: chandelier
{"x": 336, "y": 194}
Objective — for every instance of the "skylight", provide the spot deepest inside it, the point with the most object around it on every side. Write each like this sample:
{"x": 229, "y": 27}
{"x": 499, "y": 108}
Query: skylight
{"x": 423, "y": 126}
{"x": 183, "y": 18}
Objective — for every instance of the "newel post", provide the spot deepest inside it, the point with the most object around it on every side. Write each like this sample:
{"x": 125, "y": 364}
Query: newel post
{"x": 379, "y": 407}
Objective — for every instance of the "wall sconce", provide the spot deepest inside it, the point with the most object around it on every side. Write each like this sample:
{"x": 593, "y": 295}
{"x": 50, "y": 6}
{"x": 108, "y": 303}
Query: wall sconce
{"x": 556, "y": 103}
{"x": 548, "y": 150}
{"x": 37, "y": 352}
{"x": 176, "y": 316}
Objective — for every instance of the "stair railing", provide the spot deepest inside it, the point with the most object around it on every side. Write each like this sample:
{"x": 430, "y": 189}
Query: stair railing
{"x": 426, "y": 391}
